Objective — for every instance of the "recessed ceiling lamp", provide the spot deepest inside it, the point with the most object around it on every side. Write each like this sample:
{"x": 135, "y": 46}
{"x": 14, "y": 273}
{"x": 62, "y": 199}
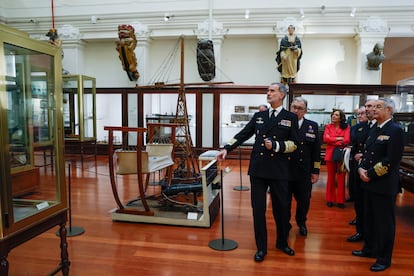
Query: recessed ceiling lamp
{"x": 94, "y": 19}
{"x": 247, "y": 14}
{"x": 167, "y": 17}
{"x": 302, "y": 13}
{"x": 352, "y": 14}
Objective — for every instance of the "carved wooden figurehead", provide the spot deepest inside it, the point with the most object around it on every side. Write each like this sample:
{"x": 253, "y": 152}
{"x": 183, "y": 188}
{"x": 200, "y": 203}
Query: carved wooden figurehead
{"x": 205, "y": 59}
{"x": 125, "y": 45}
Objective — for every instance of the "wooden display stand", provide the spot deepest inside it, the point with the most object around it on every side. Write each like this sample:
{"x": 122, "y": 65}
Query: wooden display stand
{"x": 210, "y": 205}
{"x": 15, "y": 239}
{"x": 25, "y": 182}
{"x": 85, "y": 149}
{"x": 187, "y": 204}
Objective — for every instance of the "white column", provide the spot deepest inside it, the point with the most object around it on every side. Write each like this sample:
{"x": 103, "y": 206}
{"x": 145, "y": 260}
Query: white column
{"x": 217, "y": 42}
{"x": 73, "y": 50}
{"x": 371, "y": 31}
{"x": 142, "y": 51}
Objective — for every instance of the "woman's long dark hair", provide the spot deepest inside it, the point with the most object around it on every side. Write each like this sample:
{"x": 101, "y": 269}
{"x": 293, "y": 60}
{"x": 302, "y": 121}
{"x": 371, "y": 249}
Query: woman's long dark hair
{"x": 342, "y": 124}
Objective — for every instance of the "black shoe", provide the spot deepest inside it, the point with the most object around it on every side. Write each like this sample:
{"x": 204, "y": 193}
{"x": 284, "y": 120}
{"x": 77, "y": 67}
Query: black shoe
{"x": 341, "y": 205}
{"x": 329, "y": 204}
{"x": 286, "y": 249}
{"x": 376, "y": 267}
{"x": 259, "y": 256}
{"x": 362, "y": 253}
{"x": 352, "y": 222}
{"x": 303, "y": 231}
{"x": 354, "y": 238}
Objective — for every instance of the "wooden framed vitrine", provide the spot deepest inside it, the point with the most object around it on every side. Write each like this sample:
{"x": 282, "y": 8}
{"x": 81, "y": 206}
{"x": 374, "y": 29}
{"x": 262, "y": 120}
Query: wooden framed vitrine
{"x": 322, "y": 98}
{"x": 79, "y": 114}
{"x": 31, "y": 200}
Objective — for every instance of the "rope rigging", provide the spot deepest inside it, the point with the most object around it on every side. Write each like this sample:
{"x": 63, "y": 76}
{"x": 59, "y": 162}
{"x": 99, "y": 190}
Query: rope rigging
{"x": 163, "y": 73}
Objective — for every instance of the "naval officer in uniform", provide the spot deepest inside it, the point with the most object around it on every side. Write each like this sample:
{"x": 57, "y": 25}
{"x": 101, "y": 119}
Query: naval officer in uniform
{"x": 359, "y": 134}
{"x": 305, "y": 163}
{"x": 379, "y": 171}
{"x": 275, "y": 133}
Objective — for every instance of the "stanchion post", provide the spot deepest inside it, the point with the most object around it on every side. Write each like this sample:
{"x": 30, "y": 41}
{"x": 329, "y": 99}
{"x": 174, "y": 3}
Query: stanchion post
{"x": 75, "y": 230}
{"x": 222, "y": 244}
{"x": 240, "y": 187}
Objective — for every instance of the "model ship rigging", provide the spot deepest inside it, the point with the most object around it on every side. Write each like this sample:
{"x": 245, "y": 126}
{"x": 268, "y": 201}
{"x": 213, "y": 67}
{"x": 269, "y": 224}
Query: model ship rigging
{"x": 181, "y": 185}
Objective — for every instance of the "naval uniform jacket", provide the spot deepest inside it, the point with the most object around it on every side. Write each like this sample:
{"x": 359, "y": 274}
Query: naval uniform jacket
{"x": 306, "y": 159}
{"x": 266, "y": 163}
{"x": 359, "y": 134}
{"x": 383, "y": 151}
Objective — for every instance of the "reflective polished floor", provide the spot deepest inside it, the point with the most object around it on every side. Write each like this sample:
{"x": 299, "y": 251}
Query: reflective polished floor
{"x": 122, "y": 248}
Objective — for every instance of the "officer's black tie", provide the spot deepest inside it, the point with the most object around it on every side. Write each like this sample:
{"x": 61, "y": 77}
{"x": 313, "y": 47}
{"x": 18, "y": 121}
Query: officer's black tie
{"x": 272, "y": 116}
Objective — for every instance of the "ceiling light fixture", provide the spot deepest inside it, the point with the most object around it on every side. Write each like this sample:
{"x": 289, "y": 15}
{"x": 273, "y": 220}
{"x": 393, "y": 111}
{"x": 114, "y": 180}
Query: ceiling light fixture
{"x": 247, "y": 14}
{"x": 302, "y": 13}
{"x": 167, "y": 17}
{"x": 323, "y": 8}
{"x": 94, "y": 19}
{"x": 352, "y": 14}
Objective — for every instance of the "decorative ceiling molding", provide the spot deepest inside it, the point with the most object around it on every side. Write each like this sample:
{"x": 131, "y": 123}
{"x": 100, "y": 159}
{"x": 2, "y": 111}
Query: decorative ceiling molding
{"x": 374, "y": 24}
{"x": 141, "y": 30}
{"x": 262, "y": 22}
{"x": 282, "y": 26}
{"x": 69, "y": 32}
{"x": 216, "y": 28}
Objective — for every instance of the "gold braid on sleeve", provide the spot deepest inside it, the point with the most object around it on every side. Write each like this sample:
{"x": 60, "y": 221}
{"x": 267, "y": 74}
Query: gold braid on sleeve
{"x": 232, "y": 141}
{"x": 289, "y": 146}
{"x": 380, "y": 169}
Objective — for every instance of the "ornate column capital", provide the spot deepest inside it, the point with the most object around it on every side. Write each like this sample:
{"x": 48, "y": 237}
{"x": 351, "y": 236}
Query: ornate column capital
{"x": 217, "y": 29}
{"x": 141, "y": 30}
{"x": 281, "y": 27}
{"x": 69, "y": 32}
{"x": 374, "y": 24}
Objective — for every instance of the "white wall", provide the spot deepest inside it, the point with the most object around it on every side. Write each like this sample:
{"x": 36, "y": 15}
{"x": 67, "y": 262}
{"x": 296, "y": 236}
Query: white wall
{"x": 247, "y": 61}
{"x": 328, "y": 61}
{"x": 102, "y": 62}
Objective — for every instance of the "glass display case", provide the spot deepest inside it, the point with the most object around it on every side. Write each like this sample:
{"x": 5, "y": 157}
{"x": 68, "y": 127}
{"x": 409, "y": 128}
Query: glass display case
{"x": 162, "y": 108}
{"x": 235, "y": 112}
{"x": 323, "y": 97}
{"x": 405, "y": 89}
{"x": 405, "y": 118}
{"x": 32, "y": 200}
{"x": 79, "y": 114}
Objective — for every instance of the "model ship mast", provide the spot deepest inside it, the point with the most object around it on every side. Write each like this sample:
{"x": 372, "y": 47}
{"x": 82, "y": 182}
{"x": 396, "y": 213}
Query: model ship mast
{"x": 187, "y": 170}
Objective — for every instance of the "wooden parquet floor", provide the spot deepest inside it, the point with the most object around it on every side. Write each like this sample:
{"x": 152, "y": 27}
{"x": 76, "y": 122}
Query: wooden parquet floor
{"x": 122, "y": 248}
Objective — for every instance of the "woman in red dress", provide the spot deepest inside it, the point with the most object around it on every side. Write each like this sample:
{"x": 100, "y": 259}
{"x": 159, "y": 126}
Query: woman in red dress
{"x": 336, "y": 134}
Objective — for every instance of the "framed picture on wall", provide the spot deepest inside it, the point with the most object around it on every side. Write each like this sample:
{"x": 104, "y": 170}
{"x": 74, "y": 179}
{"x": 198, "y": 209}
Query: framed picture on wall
{"x": 239, "y": 109}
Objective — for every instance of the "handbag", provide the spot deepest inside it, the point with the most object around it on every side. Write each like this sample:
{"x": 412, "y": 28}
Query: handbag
{"x": 338, "y": 155}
